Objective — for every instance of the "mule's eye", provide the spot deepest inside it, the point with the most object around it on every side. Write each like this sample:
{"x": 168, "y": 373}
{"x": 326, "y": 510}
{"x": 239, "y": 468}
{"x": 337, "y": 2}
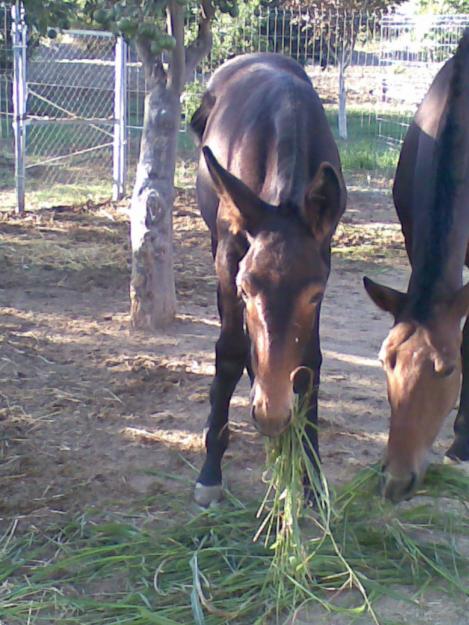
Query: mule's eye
{"x": 316, "y": 298}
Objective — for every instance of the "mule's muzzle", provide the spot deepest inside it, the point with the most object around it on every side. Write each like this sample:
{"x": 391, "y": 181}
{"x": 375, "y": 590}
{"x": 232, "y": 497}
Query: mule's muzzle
{"x": 397, "y": 488}
{"x": 270, "y": 425}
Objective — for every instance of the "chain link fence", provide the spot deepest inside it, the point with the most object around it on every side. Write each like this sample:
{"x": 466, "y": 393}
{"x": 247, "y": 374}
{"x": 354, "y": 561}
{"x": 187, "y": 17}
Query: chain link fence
{"x": 71, "y": 111}
{"x": 7, "y": 159}
{"x": 412, "y": 50}
{"x": 382, "y": 63}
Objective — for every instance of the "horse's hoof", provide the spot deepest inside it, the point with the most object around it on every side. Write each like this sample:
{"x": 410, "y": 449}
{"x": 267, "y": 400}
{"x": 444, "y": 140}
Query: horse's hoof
{"x": 460, "y": 465}
{"x": 207, "y": 495}
{"x": 458, "y": 452}
{"x": 451, "y": 461}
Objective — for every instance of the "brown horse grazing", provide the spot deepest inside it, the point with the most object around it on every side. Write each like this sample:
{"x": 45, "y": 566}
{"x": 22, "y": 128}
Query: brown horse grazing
{"x": 422, "y": 354}
{"x": 272, "y": 198}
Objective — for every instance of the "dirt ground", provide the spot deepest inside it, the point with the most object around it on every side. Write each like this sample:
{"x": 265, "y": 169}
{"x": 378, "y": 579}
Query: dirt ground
{"x": 95, "y": 416}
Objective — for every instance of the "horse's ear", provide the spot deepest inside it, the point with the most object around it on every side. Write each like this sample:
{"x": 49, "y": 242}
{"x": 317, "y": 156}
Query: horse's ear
{"x": 324, "y": 201}
{"x": 243, "y": 209}
{"x": 384, "y": 297}
{"x": 459, "y": 304}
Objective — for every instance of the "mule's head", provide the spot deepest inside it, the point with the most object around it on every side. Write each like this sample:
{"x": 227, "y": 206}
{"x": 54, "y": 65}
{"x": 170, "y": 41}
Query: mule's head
{"x": 281, "y": 280}
{"x": 422, "y": 364}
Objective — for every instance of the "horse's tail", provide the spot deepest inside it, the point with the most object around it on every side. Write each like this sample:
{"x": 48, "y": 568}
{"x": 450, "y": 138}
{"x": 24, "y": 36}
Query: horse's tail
{"x": 453, "y": 144}
{"x": 200, "y": 117}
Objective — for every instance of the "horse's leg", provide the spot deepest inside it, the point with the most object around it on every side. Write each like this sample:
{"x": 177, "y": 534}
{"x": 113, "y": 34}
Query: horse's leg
{"x": 231, "y": 353}
{"x": 249, "y": 369}
{"x": 459, "y": 449}
{"x": 313, "y": 362}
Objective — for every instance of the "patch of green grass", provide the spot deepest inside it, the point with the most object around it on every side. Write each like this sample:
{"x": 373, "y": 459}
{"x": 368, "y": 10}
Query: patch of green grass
{"x": 364, "y": 150}
{"x": 205, "y": 568}
{"x": 42, "y": 196}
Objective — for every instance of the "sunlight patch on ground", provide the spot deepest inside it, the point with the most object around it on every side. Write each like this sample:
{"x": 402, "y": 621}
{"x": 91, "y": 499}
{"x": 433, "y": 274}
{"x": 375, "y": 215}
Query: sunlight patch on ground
{"x": 352, "y": 359}
{"x": 181, "y": 439}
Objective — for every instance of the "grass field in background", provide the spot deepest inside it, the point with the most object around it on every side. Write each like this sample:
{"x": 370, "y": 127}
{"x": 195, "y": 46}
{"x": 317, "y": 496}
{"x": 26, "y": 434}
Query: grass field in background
{"x": 362, "y": 152}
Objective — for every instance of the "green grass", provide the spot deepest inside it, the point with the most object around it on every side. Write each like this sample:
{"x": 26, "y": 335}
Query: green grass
{"x": 39, "y": 196}
{"x": 364, "y": 150}
{"x": 205, "y": 568}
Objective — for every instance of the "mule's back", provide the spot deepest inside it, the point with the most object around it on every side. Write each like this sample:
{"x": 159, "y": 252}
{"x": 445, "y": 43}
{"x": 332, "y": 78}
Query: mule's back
{"x": 235, "y": 69}
{"x": 262, "y": 118}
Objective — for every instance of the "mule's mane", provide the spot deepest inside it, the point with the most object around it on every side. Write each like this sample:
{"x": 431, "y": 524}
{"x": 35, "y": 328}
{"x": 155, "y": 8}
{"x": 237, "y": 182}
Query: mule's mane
{"x": 290, "y": 149}
{"x": 287, "y": 148}
{"x": 450, "y": 156}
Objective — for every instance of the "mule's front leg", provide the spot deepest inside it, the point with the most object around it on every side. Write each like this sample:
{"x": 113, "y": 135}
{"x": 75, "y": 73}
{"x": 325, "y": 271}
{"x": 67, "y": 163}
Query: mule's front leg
{"x": 459, "y": 449}
{"x": 311, "y": 445}
{"x": 231, "y": 353}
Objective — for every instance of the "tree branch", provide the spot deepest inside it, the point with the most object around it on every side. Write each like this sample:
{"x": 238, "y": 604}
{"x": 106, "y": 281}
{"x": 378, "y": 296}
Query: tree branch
{"x": 152, "y": 64}
{"x": 202, "y": 44}
{"x": 177, "y": 64}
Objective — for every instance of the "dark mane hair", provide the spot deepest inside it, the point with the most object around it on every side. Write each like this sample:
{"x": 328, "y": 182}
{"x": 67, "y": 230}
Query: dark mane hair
{"x": 448, "y": 177}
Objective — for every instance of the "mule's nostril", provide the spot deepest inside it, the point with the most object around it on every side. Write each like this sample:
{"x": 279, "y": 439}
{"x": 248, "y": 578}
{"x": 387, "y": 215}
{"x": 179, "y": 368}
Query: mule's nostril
{"x": 253, "y": 414}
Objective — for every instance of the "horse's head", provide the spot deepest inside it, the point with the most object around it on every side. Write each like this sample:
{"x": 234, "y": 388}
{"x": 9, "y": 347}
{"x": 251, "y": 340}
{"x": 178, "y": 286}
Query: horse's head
{"x": 422, "y": 364}
{"x": 281, "y": 280}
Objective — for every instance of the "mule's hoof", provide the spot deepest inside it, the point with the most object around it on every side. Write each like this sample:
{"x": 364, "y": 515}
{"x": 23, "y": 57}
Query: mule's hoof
{"x": 458, "y": 451}
{"x": 207, "y": 495}
{"x": 451, "y": 461}
{"x": 460, "y": 465}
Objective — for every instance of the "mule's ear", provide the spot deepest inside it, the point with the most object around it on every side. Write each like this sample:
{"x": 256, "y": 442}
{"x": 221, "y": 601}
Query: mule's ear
{"x": 384, "y": 297}
{"x": 459, "y": 304}
{"x": 324, "y": 201}
{"x": 244, "y": 210}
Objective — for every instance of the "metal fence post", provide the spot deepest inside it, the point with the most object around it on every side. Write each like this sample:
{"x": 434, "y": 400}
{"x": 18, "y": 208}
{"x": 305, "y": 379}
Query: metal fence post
{"x": 120, "y": 126}
{"x": 18, "y": 35}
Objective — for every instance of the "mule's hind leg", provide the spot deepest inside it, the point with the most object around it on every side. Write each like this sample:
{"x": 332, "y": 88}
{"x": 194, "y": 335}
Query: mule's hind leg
{"x": 459, "y": 450}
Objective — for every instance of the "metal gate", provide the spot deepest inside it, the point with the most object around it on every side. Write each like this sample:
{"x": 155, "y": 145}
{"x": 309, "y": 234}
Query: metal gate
{"x": 70, "y": 115}
{"x": 7, "y": 158}
{"x": 65, "y": 99}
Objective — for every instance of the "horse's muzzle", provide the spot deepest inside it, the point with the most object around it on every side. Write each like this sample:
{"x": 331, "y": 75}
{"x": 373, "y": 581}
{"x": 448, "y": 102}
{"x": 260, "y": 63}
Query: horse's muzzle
{"x": 271, "y": 425}
{"x": 399, "y": 488}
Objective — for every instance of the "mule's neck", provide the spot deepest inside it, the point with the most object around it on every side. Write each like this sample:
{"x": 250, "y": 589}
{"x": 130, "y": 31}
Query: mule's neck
{"x": 440, "y": 202}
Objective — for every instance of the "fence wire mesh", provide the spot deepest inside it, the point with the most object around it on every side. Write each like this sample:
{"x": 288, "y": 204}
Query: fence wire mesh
{"x": 7, "y": 161}
{"x": 384, "y": 62}
{"x": 320, "y": 41}
{"x": 70, "y": 110}
{"x": 412, "y": 50}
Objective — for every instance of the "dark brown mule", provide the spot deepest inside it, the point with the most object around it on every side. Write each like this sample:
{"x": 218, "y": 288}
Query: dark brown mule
{"x": 422, "y": 353}
{"x": 270, "y": 189}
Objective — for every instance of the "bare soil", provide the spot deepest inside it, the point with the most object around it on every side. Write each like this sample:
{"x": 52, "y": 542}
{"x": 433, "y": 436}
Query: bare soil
{"x": 89, "y": 410}
{"x": 93, "y": 416}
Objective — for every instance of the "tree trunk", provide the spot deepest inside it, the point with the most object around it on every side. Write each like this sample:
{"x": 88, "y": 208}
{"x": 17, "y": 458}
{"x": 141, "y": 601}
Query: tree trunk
{"x": 152, "y": 291}
{"x": 342, "y": 100}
